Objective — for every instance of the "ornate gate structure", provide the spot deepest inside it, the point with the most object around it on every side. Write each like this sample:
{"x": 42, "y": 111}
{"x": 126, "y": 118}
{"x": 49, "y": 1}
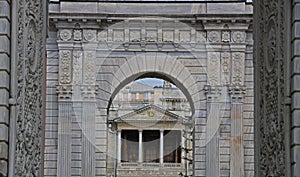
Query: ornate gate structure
{"x": 94, "y": 49}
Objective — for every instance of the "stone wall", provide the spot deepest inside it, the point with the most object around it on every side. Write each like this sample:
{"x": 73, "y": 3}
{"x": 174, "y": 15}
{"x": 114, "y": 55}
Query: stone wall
{"x": 5, "y": 21}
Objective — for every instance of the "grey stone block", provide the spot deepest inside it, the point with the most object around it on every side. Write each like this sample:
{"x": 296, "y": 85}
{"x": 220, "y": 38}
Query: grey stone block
{"x": 4, "y": 95}
{"x": 3, "y": 150}
{"x": 4, "y": 27}
{"x": 3, "y": 133}
{"x": 4, "y": 9}
{"x": 4, "y": 44}
{"x": 3, "y": 168}
{"x": 4, "y": 80}
{"x": 296, "y": 65}
{"x": 296, "y": 100}
{"x": 4, "y": 117}
{"x": 296, "y": 12}
{"x": 295, "y": 136}
{"x": 4, "y": 62}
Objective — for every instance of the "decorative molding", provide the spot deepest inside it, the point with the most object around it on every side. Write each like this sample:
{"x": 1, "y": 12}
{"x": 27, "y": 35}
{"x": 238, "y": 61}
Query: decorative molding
{"x": 65, "y": 65}
{"x": 213, "y": 93}
{"x": 237, "y": 94}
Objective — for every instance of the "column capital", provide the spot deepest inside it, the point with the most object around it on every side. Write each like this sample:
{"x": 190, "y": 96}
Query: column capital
{"x": 213, "y": 93}
{"x": 237, "y": 93}
{"x": 64, "y": 92}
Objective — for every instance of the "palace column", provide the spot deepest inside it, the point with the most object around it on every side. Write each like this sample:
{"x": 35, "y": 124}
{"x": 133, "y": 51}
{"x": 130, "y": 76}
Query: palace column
{"x": 140, "y": 146}
{"x": 161, "y": 152}
{"x": 212, "y": 133}
{"x": 119, "y": 146}
{"x": 237, "y": 150}
{"x": 65, "y": 92}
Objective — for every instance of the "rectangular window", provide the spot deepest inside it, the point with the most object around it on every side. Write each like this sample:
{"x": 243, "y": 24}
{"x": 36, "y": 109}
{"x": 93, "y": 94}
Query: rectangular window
{"x": 130, "y": 146}
{"x": 172, "y": 146}
{"x": 151, "y": 140}
{"x": 129, "y": 96}
{"x": 137, "y": 96}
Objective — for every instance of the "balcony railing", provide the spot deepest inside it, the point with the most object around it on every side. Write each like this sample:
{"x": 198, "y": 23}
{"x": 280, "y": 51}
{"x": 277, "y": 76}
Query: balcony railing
{"x": 150, "y": 165}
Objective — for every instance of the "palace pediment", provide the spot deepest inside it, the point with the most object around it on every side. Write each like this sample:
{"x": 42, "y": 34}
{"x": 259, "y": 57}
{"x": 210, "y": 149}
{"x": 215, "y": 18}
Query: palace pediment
{"x": 150, "y": 113}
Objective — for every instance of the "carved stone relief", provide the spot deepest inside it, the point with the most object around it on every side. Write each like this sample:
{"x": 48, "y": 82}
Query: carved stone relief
{"x": 214, "y": 36}
{"x": 65, "y": 66}
{"x": 238, "y": 67}
{"x": 89, "y": 67}
{"x": 30, "y": 80}
{"x": 225, "y": 68}
{"x": 77, "y": 35}
{"x": 270, "y": 118}
{"x": 225, "y": 36}
{"x": 89, "y": 35}
{"x": 65, "y": 34}
{"x": 77, "y": 67}
{"x": 213, "y": 68}
{"x": 238, "y": 36}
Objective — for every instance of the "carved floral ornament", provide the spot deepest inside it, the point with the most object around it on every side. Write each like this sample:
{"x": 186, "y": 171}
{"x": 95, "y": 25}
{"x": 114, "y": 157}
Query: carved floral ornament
{"x": 89, "y": 35}
{"x": 214, "y": 36}
{"x": 65, "y": 34}
{"x": 238, "y": 36}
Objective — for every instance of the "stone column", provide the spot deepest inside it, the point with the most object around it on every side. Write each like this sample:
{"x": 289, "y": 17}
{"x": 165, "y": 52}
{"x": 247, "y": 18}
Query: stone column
{"x": 236, "y": 145}
{"x": 183, "y": 146}
{"x": 88, "y": 91}
{"x": 119, "y": 146}
{"x": 140, "y": 146}
{"x": 65, "y": 92}
{"x": 212, "y": 132}
{"x": 161, "y": 152}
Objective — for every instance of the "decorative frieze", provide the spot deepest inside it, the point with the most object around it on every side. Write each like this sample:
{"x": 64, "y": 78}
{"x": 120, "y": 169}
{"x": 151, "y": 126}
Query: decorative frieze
{"x": 65, "y": 65}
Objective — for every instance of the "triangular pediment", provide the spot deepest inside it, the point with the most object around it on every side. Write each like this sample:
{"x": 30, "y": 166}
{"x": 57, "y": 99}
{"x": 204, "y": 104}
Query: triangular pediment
{"x": 150, "y": 113}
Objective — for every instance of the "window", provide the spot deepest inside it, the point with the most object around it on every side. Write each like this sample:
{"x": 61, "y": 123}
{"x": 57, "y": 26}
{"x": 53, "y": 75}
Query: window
{"x": 172, "y": 146}
{"x": 130, "y": 148}
{"x": 151, "y": 139}
{"x": 137, "y": 96}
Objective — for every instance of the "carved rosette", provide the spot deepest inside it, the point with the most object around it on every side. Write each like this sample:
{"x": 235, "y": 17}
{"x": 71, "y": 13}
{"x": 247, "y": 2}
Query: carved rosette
{"x": 89, "y": 35}
{"x": 214, "y": 36}
{"x": 65, "y": 34}
{"x": 238, "y": 36}
{"x": 30, "y": 80}
{"x": 65, "y": 66}
{"x": 270, "y": 118}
